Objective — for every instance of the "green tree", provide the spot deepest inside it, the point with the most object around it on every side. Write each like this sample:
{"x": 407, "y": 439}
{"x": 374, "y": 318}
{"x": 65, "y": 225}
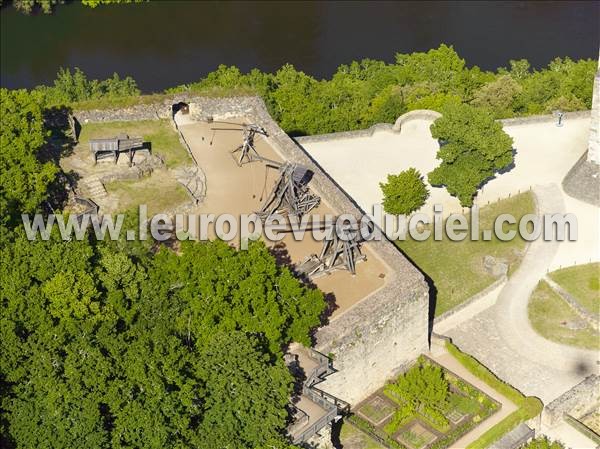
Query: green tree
{"x": 230, "y": 414}
{"x": 70, "y": 87}
{"x": 472, "y": 148}
{"x": 386, "y": 107}
{"x": 404, "y": 193}
{"x": 27, "y": 6}
{"x": 109, "y": 350}
{"x": 24, "y": 179}
{"x": 543, "y": 443}
{"x": 498, "y": 96}
{"x": 423, "y": 385}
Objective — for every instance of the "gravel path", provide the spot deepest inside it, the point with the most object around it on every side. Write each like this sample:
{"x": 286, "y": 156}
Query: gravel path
{"x": 503, "y": 339}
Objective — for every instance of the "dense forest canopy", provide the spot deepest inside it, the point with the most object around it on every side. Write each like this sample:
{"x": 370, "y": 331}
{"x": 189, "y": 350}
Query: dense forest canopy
{"x": 125, "y": 344}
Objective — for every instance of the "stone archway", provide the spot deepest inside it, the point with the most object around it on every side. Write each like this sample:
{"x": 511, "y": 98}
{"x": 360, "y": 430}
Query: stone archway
{"x": 182, "y": 107}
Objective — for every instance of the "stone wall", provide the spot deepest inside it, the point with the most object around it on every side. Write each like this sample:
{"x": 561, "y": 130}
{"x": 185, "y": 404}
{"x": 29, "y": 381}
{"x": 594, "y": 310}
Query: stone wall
{"x": 470, "y": 301}
{"x": 133, "y": 113}
{"x": 377, "y": 337}
{"x": 417, "y": 114}
{"x": 372, "y": 340}
{"x": 594, "y": 142}
{"x": 546, "y": 118}
{"x": 577, "y": 402}
{"x": 345, "y": 134}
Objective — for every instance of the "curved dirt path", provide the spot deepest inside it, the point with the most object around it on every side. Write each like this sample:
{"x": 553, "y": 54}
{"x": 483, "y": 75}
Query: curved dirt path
{"x": 502, "y": 336}
{"x": 513, "y": 320}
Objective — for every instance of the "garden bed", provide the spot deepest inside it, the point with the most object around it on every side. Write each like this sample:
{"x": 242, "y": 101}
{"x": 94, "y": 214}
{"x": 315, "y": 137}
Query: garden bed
{"x": 426, "y": 407}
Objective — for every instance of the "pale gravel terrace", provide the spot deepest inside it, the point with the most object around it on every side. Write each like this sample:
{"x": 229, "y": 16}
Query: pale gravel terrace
{"x": 544, "y": 155}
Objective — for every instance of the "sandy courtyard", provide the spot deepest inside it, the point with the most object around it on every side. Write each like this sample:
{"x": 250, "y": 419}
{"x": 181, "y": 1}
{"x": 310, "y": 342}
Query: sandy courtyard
{"x": 544, "y": 155}
{"x": 236, "y": 190}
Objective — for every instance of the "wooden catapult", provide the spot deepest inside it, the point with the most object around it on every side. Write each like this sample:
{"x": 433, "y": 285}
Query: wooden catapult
{"x": 340, "y": 251}
{"x": 247, "y": 151}
{"x": 290, "y": 195}
{"x": 110, "y": 148}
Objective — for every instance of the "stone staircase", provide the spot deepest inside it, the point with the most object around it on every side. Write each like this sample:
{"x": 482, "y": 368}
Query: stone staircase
{"x": 92, "y": 187}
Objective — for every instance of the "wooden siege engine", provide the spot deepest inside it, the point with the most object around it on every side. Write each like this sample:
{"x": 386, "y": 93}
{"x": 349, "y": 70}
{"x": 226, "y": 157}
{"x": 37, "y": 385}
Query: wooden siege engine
{"x": 340, "y": 251}
{"x": 290, "y": 195}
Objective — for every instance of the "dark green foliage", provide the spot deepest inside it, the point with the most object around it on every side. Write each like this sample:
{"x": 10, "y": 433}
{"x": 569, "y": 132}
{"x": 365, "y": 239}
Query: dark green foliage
{"x": 104, "y": 349}
{"x": 47, "y": 6}
{"x": 404, "y": 193}
{"x": 472, "y": 148}
{"x": 70, "y": 87}
{"x": 24, "y": 180}
{"x": 363, "y": 93}
{"x": 543, "y": 443}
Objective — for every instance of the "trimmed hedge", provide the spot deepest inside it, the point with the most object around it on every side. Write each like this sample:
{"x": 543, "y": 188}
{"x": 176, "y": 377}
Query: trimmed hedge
{"x": 529, "y": 406}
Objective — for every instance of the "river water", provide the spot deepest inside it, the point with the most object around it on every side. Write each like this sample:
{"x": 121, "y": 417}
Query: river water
{"x": 165, "y": 43}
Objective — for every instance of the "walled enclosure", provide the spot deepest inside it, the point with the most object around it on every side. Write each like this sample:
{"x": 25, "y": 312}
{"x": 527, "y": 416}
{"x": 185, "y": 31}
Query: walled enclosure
{"x": 577, "y": 402}
{"x": 377, "y": 337}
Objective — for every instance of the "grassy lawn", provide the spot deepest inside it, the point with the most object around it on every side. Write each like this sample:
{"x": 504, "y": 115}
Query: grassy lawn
{"x": 159, "y": 133}
{"x": 352, "y": 438}
{"x": 549, "y": 315}
{"x": 456, "y": 268}
{"x": 583, "y": 282}
{"x": 159, "y": 192}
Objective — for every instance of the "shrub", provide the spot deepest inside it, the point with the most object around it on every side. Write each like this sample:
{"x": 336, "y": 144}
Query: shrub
{"x": 404, "y": 193}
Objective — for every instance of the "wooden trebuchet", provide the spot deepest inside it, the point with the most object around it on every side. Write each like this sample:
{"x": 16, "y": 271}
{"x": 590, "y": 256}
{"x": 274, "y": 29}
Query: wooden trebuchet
{"x": 341, "y": 251}
{"x": 247, "y": 151}
{"x": 110, "y": 148}
{"x": 290, "y": 195}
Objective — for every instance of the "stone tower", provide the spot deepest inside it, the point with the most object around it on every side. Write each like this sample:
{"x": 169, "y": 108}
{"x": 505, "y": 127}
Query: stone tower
{"x": 594, "y": 144}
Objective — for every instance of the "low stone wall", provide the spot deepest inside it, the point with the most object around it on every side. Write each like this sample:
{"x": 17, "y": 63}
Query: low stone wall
{"x": 345, "y": 134}
{"x": 591, "y": 318}
{"x": 417, "y": 114}
{"x": 222, "y": 107}
{"x": 473, "y": 299}
{"x": 577, "y": 402}
{"x": 133, "y": 113}
{"x": 546, "y": 118}
{"x": 426, "y": 114}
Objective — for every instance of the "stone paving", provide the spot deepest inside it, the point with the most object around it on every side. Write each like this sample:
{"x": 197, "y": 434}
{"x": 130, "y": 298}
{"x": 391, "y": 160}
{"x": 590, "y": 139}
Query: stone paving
{"x": 502, "y": 338}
